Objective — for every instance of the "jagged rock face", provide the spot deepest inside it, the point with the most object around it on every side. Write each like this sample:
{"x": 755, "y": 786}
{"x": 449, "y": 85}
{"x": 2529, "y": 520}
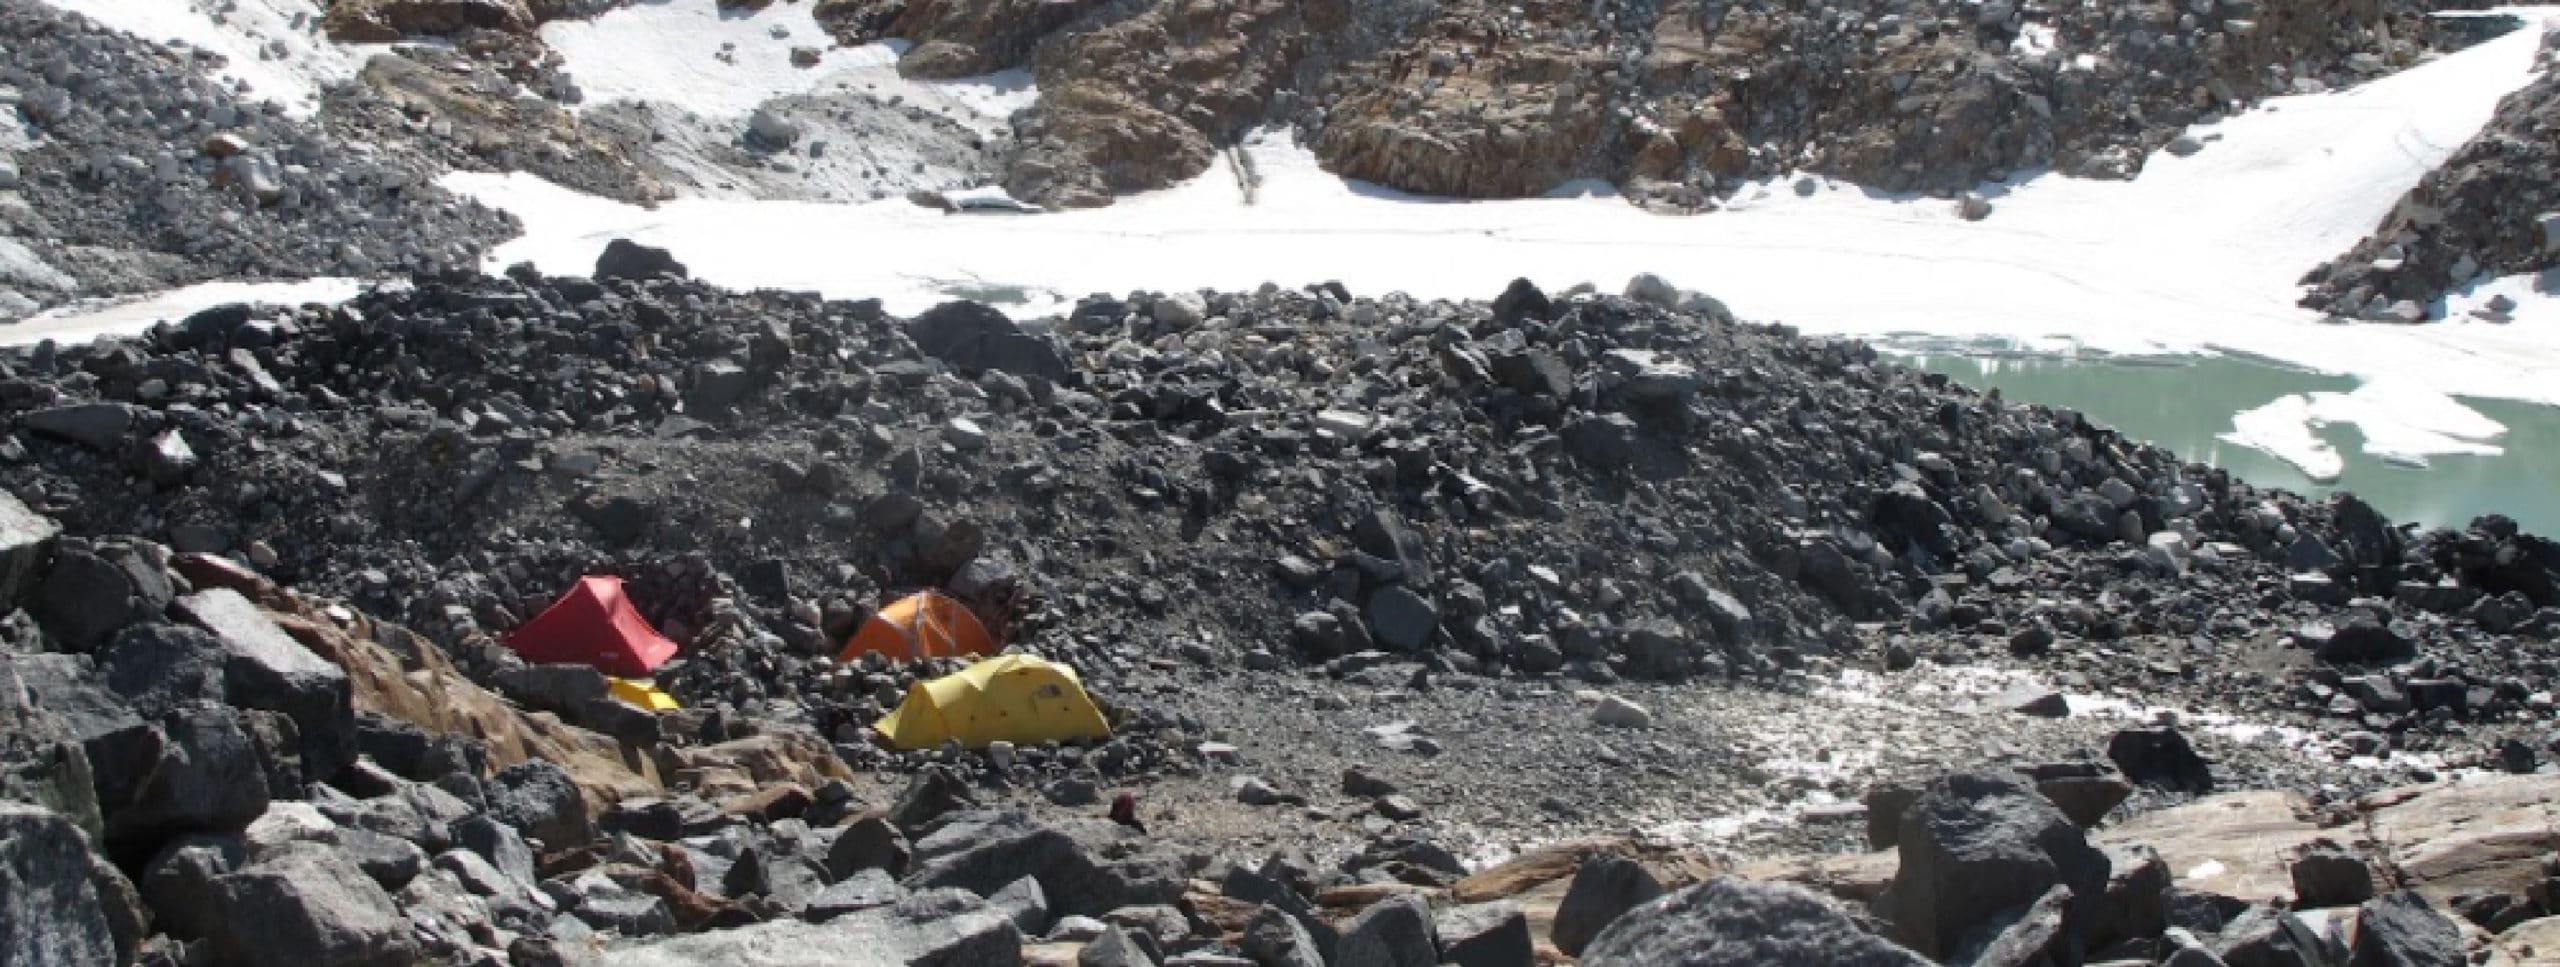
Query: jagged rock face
{"x": 1677, "y": 100}
{"x": 492, "y": 129}
{"x": 953, "y": 38}
{"x": 384, "y": 21}
{"x": 2475, "y": 215}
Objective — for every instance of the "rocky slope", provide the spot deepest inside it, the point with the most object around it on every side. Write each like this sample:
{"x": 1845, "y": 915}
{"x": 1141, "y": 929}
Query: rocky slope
{"x": 2487, "y": 211}
{"x": 1339, "y": 564}
{"x": 1674, "y": 101}
{"x": 122, "y": 169}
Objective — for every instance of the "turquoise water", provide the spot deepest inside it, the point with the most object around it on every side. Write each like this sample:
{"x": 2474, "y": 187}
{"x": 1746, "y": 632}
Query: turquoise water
{"x": 2182, "y": 403}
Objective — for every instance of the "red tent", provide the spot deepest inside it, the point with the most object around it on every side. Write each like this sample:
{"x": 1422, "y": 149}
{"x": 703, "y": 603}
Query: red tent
{"x": 593, "y": 624}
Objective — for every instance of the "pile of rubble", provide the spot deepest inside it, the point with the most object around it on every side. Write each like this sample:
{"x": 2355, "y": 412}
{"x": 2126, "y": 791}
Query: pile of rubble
{"x": 123, "y": 168}
{"x": 2491, "y": 210}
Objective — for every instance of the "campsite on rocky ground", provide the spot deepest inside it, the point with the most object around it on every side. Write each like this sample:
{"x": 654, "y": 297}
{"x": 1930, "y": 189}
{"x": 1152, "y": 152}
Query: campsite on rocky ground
{"x": 1255, "y": 484}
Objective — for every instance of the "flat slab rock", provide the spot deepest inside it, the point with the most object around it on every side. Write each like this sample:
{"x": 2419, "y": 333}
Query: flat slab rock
{"x": 884, "y": 937}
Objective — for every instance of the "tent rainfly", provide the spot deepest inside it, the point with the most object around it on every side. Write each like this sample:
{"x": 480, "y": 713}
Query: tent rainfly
{"x": 1008, "y": 698}
{"x": 926, "y": 624}
{"x": 593, "y": 624}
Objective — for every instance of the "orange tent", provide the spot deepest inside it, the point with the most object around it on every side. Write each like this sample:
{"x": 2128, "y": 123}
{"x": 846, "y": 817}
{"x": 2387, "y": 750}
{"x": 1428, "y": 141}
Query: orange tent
{"x": 593, "y": 624}
{"x": 926, "y": 624}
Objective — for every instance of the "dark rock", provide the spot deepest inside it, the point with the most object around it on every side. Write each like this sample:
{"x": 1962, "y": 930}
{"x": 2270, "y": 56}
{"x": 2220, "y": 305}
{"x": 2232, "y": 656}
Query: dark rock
{"x": 1975, "y": 849}
{"x": 1604, "y": 441}
{"x": 2365, "y": 641}
{"x": 2086, "y": 799}
{"x": 871, "y": 843}
{"x": 932, "y": 793}
{"x": 625, "y": 259}
{"x": 2269, "y": 937}
{"x": 1604, "y": 887}
{"x": 1733, "y": 922}
{"x": 50, "y": 909}
{"x": 2401, "y": 929}
{"x": 265, "y": 668}
{"x": 90, "y": 596}
{"x": 865, "y": 890}
{"x": 1886, "y": 803}
{"x": 2329, "y": 876}
{"x": 97, "y": 426}
{"x": 306, "y": 905}
{"x": 1025, "y": 903}
{"x": 1113, "y": 948}
{"x": 1519, "y": 301}
{"x": 1485, "y": 935}
{"x": 208, "y": 778}
{"x": 538, "y": 798}
{"x": 974, "y": 337}
{"x": 2137, "y": 898}
{"x": 1402, "y": 619}
{"x": 982, "y": 852}
{"x": 1274, "y": 938}
{"x": 2160, "y": 758}
{"x": 1394, "y": 932}
{"x": 178, "y": 883}
{"x": 1383, "y": 534}
{"x": 2034, "y": 938}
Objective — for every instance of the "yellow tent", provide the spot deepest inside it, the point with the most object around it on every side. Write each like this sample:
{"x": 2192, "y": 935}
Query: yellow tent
{"x": 1009, "y": 698}
{"x": 640, "y": 692}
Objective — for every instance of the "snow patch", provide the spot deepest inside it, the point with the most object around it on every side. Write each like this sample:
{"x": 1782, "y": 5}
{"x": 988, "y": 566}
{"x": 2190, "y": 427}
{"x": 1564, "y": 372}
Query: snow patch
{"x": 90, "y": 320}
{"x": 2199, "y": 254}
{"x": 724, "y": 63}
{"x": 273, "y": 48}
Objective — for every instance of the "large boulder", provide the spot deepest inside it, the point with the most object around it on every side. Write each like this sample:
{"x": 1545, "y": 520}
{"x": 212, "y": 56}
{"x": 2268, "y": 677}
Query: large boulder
{"x": 1977, "y": 851}
{"x": 540, "y": 799}
{"x": 307, "y": 905}
{"x": 915, "y": 932}
{"x": 50, "y": 909}
{"x": 1274, "y": 938}
{"x": 1734, "y": 922}
{"x": 95, "y": 591}
{"x": 1394, "y": 932}
{"x": 1606, "y": 886}
{"x": 2401, "y": 929}
{"x": 983, "y": 852}
{"x": 1485, "y": 935}
{"x": 264, "y": 668}
{"x": 207, "y": 776}
{"x": 974, "y": 337}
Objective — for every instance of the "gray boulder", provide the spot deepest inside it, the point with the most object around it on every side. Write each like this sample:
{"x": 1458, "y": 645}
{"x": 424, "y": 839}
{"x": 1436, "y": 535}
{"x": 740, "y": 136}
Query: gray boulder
{"x": 1485, "y": 935}
{"x": 2401, "y": 929}
{"x": 1394, "y": 932}
{"x": 915, "y": 934}
{"x": 264, "y": 668}
{"x": 92, "y": 593}
{"x": 1025, "y": 903}
{"x": 208, "y": 777}
{"x": 2268, "y": 937}
{"x": 1605, "y": 887}
{"x": 1273, "y": 938}
{"x": 1976, "y": 850}
{"x": 538, "y": 798}
{"x": 1114, "y": 948}
{"x": 179, "y": 881}
{"x": 865, "y": 890}
{"x": 2329, "y": 876}
{"x": 1733, "y": 922}
{"x": 307, "y": 905}
{"x": 872, "y": 843}
{"x": 983, "y": 852}
{"x": 50, "y": 910}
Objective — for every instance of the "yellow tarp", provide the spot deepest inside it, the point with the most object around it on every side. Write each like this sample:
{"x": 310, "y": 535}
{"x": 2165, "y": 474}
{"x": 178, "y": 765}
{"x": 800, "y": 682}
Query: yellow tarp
{"x": 1009, "y": 698}
{"x": 638, "y": 691}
